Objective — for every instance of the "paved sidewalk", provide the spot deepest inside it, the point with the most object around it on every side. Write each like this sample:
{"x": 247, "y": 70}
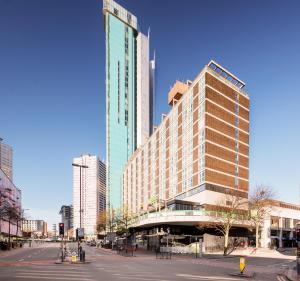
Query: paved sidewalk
{"x": 291, "y": 274}
{"x": 10, "y": 252}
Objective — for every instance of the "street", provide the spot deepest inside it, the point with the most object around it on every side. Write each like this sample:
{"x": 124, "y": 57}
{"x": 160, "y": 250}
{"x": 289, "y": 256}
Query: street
{"x": 39, "y": 264}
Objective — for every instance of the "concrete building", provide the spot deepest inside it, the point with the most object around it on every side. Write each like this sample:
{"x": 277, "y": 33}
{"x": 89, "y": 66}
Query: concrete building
{"x": 10, "y": 197}
{"x": 6, "y": 159}
{"x": 66, "y": 212}
{"x": 280, "y": 225}
{"x": 91, "y": 192}
{"x": 102, "y": 187}
{"x": 197, "y": 155}
{"x": 128, "y": 96}
{"x": 36, "y": 228}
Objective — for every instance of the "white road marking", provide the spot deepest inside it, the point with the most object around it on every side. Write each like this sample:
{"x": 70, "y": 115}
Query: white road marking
{"x": 280, "y": 278}
{"x": 49, "y": 272}
{"x": 206, "y": 277}
{"x": 52, "y": 278}
{"x": 21, "y": 259}
{"x": 140, "y": 278}
{"x": 54, "y": 274}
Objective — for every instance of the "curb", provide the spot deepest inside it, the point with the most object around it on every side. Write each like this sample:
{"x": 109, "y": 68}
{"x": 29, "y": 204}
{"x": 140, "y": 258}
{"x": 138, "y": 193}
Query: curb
{"x": 289, "y": 275}
{"x": 243, "y": 275}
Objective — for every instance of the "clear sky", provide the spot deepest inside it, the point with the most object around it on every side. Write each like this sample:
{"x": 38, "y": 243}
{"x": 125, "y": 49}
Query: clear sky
{"x": 52, "y": 91}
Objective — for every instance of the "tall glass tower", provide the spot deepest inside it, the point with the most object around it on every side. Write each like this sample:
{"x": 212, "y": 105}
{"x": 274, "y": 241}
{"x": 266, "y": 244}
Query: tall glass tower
{"x": 127, "y": 93}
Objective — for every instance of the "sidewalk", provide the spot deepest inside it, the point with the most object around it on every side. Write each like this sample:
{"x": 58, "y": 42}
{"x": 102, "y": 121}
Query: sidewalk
{"x": 6, "y": 253}
{"x": 291, "y": 274}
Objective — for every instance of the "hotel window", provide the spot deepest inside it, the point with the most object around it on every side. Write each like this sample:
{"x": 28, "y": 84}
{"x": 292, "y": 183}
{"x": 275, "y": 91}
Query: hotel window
{"x": 129, "y": 18}
{"x": 286, "y": 222}
{"x": 236, "y": 182}
{"x": 118, "y": 92}
{"x": 116, "y": 12}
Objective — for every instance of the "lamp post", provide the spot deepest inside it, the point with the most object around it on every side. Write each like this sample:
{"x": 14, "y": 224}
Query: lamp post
{"x": 80, "y": 209}
{"x": 80, "y": 167}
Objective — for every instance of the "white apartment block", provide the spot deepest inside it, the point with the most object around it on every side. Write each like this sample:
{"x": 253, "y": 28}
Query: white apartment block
{"x": 143, "y": 89}
{"x": 91, "y": 189}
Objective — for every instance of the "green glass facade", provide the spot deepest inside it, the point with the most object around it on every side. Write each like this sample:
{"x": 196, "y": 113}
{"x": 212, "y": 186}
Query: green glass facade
{"x": 120, "y": 103}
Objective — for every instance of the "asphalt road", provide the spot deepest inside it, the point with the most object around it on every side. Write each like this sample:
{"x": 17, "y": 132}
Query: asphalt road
{"x": 39, "y": 264}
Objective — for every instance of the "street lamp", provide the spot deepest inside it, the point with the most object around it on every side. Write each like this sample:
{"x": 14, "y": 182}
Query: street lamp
{"x": 80, "y": 167}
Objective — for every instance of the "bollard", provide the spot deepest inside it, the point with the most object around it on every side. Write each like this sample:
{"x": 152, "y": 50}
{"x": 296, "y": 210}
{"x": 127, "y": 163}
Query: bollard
{"x": 242, "y": 265}
{"x": 200, "y": 247}
{"x": 62, "y": 255}
{"x": 298, "y": 266}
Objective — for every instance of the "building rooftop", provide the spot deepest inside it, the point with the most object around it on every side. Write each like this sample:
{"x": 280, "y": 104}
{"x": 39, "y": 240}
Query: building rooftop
{"x": 176, "y": 92}
{"x": 120, "y": 12}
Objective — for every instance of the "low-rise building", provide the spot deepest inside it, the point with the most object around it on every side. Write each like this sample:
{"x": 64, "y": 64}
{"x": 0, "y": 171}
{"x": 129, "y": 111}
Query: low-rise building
{"x": 35, "y": 228}
{"x": 280, "y": 224}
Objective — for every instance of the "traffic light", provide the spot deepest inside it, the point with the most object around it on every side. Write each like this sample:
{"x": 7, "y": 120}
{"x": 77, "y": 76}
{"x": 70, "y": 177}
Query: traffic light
{"x": 61, "y": 229}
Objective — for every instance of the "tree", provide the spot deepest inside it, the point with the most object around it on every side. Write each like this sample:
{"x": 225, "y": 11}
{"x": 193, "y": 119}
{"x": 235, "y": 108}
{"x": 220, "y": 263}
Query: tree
{"x": 227, "y": 212}
{"x": 157, "y": 203}
{"x": 12, "y": 215}
{"x": 101, "y": 221}
{"x": 259, "y": 207}
{"x": 123, "y": 219}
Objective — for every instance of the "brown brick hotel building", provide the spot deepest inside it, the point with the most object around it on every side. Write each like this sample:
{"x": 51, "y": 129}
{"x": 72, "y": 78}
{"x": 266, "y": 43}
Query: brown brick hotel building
{"x": 199, "y": 152}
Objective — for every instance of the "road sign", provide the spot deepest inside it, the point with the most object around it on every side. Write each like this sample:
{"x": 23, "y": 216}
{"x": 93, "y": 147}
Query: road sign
{"x": 80, "y": 232}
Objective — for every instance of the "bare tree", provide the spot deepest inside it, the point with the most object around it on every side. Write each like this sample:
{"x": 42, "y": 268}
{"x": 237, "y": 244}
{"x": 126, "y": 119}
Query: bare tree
{"x": 123, "y": 219}
{"x": 260, "y": 207}
{"x": 13, "y": 216}
{"x": 227, "y": 212}
{"x": 102, "y": 221}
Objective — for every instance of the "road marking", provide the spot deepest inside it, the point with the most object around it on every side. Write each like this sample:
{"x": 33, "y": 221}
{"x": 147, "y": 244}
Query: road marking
{"x": 140, "y": 278}
{"x": 21, "y": 259}
{"x": 53, "y": 278}
{"x": 281, "y": 278}
{"x": 206, "y": 277}
{"x": 54, "y": 274}
{"x": 49, "y": 272}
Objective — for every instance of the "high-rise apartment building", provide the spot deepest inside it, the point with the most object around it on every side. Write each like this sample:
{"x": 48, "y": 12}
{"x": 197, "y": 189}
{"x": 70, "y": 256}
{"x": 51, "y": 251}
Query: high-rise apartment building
{"x": 86, "y": 196}
{"x": 200, "y": 151}
{"x": 66, "y": 212}
{"x": 6, "y": 159}
{"x": 128, "y": 97}
{"x": 102, "y": 187}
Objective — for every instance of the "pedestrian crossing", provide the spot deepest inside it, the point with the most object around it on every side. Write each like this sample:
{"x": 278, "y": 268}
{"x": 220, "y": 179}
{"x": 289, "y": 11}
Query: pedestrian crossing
{"x": 61, "y": 272}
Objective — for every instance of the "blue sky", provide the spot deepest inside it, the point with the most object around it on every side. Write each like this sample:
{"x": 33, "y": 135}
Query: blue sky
{"x": 52, "y": 91}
